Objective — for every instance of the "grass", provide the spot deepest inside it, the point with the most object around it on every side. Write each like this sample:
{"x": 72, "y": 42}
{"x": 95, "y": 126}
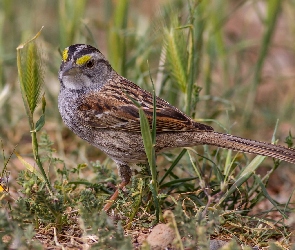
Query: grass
{"x": 200, "y": 62}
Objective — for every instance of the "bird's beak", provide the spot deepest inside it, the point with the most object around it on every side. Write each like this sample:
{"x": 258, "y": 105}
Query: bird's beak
{"x": 70, "y": 69}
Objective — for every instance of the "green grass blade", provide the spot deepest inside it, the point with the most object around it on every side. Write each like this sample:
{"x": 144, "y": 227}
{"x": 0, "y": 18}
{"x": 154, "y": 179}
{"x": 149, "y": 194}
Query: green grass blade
{"x": 68, "y": 30}
{"x": 266, "y": 194}
{"x": 243, "y": 176}
{"x": 156, "y": 200}
{"x": 198, "y": 172}
{"x": 175, "y": 162}
{"x": 116, "y": 37}
{"x": 177, "y": 181}
{"x": 154, "y": 123}
{"x": 151, "y": 155}
{"x": 274, "y": 8}
{"x": 147, "y": 138}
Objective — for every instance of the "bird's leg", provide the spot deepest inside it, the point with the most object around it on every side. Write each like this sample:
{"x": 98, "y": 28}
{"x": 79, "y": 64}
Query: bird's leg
{"x": 125, "y": 174}
{"x": 114, "y": 196}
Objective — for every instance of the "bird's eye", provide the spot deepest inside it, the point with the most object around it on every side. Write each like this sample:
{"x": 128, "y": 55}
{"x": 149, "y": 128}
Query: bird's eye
{"x": 90, "y": 64}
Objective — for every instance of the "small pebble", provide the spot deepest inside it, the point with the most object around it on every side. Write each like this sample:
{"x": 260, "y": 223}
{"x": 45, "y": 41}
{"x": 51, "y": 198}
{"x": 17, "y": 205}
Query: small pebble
{"x": 161, "y": 237}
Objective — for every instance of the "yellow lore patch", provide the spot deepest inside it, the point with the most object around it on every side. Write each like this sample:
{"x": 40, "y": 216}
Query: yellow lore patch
{"x": 65, "y": 54}
{"x": 83, "y": 59}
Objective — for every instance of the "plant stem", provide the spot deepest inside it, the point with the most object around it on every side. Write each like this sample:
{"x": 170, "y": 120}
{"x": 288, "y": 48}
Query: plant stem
{"x": 37, "y": 158}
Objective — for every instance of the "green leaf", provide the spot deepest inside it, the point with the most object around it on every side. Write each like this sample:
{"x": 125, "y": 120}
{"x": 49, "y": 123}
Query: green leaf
{"x": 40, "y": 123}
{"x": 43, "y": 104}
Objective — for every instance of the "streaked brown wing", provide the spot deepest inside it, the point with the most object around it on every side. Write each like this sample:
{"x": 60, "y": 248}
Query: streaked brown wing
{"x": 112, "y": 108}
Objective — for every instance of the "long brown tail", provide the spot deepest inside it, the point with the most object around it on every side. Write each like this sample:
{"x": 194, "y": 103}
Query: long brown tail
{"x": 249, "y": 146}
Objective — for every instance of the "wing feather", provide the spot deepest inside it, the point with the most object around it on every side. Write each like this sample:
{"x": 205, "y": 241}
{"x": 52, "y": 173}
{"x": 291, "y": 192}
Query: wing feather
{"x": 112, "y": 108}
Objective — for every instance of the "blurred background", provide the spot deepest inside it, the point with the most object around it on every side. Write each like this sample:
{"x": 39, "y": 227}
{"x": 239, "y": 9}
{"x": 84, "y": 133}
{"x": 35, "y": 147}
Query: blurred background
{"x": 244, "y": 64}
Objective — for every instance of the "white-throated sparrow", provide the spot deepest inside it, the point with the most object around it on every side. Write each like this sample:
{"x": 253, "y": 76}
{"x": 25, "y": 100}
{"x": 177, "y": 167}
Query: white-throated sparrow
{"x": 95, "y": 103}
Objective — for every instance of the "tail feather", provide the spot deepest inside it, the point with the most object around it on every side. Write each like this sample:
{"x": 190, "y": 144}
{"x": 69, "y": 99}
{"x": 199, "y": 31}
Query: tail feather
{"x": 249, "y": 146}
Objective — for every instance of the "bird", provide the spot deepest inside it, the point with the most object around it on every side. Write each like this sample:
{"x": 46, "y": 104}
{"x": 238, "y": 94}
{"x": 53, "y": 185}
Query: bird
{"x": 101, "y": 107}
